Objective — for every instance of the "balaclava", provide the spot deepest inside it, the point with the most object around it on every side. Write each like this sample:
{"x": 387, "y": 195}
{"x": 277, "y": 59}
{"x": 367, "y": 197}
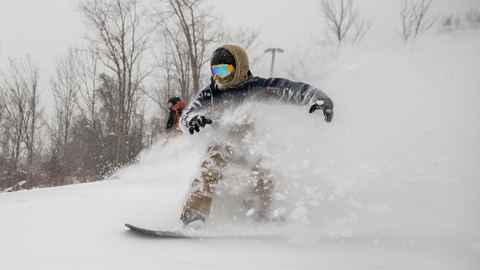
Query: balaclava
{"x": 232, "y": 55}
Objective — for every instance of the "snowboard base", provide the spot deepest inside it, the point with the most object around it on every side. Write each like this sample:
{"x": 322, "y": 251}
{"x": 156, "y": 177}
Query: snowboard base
{"x": 201, "y": 234}
{"x": 158, "y": 233}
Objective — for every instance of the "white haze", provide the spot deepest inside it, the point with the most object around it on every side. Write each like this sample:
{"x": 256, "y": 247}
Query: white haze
{"x": 392, "y": 183}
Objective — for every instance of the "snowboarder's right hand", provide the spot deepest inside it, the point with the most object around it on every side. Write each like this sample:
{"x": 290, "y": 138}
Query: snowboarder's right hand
{"x": 197, "y": 122}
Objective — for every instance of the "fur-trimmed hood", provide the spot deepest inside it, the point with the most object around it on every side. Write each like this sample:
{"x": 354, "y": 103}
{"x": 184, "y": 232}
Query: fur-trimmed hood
{"x": 241, "y": 69}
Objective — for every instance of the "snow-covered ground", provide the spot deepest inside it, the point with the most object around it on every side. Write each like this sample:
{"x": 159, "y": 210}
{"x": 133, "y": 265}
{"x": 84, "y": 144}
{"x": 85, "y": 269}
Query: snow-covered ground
{"x": 392, "y": 183}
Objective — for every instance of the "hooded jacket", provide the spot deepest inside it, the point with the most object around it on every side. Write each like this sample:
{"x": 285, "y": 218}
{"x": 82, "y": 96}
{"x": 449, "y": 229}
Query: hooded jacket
{"x": 241, "y": 67}
{"x": 241, "y": 86}
{"x": 174, "y": 116}
{"x": 256, "y": 89}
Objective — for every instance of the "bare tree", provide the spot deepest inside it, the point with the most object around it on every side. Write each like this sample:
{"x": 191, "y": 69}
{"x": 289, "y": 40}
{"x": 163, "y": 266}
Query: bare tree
{"x": 16, "y": 109}
{"x": 247, "y": 38}
{"x": 175, "y": 67}
{"x": 76, "y": 134}
{"x": 23, "y": 109}
{"x": 87, "y": 71}
{"x": 188, "y": 33}
{"x": 35, "y": 110}
{"x": 416, "y": 18}
{"x": 3, "y": 133}
{"x": 450, "y": 22}
{"x": 110, "y": 114}
{"x": 344, "y": 24}
{"x": 3, "y": 94}
{"x": 119, "y": 37}
{"x": 65, "y": 86}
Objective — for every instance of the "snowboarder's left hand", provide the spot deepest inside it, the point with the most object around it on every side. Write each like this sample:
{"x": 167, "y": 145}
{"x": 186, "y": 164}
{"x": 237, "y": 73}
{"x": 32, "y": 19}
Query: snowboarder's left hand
{"x": 327, "y": 110}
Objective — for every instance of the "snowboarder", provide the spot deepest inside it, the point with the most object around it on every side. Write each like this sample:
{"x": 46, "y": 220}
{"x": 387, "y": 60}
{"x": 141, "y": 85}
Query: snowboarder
{"x": 232, "y": 84}
{"x": 176, "y": 106}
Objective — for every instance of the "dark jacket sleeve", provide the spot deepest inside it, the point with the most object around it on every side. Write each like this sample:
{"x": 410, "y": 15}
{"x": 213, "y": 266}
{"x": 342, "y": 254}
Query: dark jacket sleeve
{"x": 203, "y": 104}
{"x": 171, "y": 120}
{"x": 297, "y": 93}
{"x": 257, "y": 88}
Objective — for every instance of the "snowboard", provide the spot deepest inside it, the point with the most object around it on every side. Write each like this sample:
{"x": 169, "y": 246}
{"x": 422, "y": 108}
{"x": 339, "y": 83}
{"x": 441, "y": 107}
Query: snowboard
{"x": 159, "y": 233}
{"x": 180, "y": 233}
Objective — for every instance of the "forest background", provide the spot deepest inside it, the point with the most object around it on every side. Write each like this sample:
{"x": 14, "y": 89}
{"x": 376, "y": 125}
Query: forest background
{"x": 102, "y": 100}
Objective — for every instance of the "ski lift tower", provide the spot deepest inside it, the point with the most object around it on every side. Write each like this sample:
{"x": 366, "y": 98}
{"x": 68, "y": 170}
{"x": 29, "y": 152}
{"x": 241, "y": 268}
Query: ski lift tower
{"x": 273, "y": 50}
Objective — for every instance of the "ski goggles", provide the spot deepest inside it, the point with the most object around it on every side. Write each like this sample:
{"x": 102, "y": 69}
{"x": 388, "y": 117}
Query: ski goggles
{"x": 221, "y": 71}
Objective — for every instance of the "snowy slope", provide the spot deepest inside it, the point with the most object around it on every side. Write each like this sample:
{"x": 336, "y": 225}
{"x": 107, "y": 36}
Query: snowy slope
{"x": 392, "y": 183}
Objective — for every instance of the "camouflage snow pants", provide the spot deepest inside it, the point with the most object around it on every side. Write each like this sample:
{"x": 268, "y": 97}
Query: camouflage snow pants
{"x": 202, "y": 190}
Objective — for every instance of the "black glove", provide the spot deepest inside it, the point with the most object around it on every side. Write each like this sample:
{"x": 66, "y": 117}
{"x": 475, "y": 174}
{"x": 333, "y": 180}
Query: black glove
{"x": 327, "y": 110}
{"x": 197, "y": 122}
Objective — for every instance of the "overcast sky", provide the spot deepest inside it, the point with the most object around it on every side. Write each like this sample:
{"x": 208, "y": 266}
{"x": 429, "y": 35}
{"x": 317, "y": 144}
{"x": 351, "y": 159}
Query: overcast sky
{"x": 44, "y": 28}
